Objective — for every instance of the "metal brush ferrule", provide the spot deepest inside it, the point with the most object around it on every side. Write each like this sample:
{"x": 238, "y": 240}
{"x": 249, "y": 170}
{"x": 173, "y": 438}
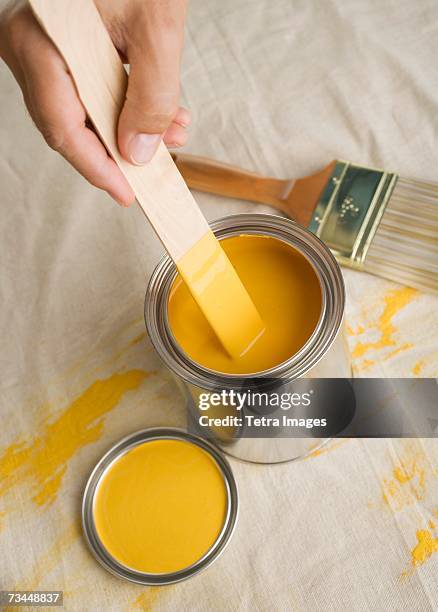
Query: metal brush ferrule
{"x": 350, "y": 209}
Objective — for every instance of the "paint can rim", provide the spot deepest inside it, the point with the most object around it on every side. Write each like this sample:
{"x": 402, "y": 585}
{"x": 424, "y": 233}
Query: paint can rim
{"x": 322, "y": 338}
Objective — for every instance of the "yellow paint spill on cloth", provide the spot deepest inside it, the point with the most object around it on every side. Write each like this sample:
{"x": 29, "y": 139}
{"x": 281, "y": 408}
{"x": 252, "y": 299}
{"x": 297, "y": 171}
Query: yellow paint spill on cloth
{"x": 408, "y": 480}
{"x": 146, "y": 600}
{"x": 427, "y": 545}
{"x": 418, "y": 367}
{"x": 137, "y": 339}
{"x": 355, "y": 332}
{"x": 327, "y": 448}
{"x": 42, "y": 460}
{"x": 364, "y": 365}
{"x": 394, "y": 301}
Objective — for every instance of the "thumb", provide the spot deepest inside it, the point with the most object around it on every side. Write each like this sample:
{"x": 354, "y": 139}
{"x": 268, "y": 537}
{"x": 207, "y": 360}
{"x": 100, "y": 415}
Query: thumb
{"x": 153, "y": 90}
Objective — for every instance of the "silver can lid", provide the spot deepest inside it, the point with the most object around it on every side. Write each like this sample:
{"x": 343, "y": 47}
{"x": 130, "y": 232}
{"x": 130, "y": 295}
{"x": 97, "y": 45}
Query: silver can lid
{"x": 97, "y": 547}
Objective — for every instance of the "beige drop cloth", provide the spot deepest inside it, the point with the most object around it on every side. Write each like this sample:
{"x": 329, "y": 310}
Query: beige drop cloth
{"x": 282, "y": 88}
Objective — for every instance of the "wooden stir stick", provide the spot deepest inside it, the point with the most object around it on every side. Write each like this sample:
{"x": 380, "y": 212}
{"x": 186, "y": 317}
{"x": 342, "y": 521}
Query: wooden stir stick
{"x": 78, "y": 32}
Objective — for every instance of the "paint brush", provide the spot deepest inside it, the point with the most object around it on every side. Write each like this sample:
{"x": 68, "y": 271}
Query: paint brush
{"x": 76, "y": 29}
{"x": 371, "y": 219}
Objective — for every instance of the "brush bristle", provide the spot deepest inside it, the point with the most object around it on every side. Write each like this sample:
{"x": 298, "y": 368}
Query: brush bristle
{"x": 405, "y": 246}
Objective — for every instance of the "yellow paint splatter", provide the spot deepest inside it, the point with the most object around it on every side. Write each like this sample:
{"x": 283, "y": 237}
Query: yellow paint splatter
{"x": 418, "y": 367}
{"x": 408, "y": 481}
{"x": 364, "y": 365}
{"x": 427, "y": 545}
{"x": 104, "y": 352}
{"x": 137, "y": 339}
{"x": 355, "y": 332}
{"x": 146, "y": 600}
{"x": 42, "y": 460}
{"x": 394, "y": 301}
{"x": 327, "y": 448}
{"x": 116, "y": 355}
{"x": 368, "y": 363}
{"x": 400, "y": 349}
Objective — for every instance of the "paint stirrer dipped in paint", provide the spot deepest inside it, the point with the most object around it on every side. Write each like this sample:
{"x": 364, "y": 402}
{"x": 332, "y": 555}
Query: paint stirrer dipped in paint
{"x": 75, "y": 27}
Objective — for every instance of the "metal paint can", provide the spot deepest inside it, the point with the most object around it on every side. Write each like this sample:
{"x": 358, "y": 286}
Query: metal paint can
{"x": 102, "y": 554}
{"x": 324, "y": 355}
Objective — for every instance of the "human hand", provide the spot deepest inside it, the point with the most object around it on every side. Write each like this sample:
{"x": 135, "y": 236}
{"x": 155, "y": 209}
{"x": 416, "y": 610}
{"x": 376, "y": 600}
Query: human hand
{"x": 149, "y": 35}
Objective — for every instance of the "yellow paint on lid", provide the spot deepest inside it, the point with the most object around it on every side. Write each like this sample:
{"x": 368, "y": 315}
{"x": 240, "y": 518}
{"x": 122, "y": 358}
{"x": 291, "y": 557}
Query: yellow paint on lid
{"x": 160, "y": 507}
{"x": 286, "y": 291}
{"x": 220, "y": 295}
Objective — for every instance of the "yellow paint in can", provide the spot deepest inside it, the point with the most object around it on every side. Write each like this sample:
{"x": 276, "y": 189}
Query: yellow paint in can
{"x": 285, "y": 290}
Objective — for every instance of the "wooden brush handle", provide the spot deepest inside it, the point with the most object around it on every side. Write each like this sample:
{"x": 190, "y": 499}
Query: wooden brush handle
{"x": 77, "y": 30}
{"x": 296, "y": 197}
{"x": 210, "y": 176}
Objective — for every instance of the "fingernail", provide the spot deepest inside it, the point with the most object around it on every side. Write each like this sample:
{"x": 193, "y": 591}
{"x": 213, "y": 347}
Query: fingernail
{"x": 142, "y": 148}
{"x": 182, "y": 123}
